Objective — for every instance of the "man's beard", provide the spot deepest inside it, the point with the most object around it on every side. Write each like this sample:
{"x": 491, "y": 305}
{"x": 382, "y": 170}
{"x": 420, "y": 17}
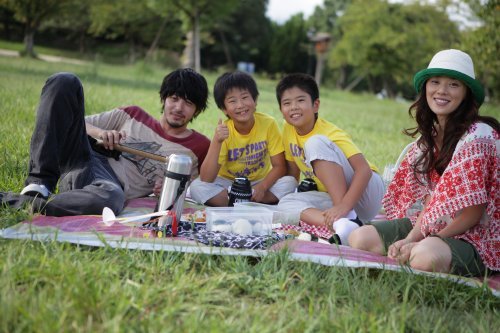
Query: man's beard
{"x": 175, "y": 125}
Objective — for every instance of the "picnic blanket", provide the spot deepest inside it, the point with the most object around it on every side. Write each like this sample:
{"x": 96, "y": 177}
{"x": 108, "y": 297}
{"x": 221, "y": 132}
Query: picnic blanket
{"x": 90, "y": 230}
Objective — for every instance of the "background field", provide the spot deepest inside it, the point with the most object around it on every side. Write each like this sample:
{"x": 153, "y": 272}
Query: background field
{"x": 57, "y": 287}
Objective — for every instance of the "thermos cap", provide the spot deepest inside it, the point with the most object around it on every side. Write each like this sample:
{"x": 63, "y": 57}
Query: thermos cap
{"x": 179, "y": 164}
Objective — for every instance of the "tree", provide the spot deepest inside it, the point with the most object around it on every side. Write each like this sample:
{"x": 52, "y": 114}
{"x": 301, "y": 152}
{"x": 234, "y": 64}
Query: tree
{"x": 8, "y": 25}
{"x": 289, "y": 46}
{"x": 483, "y": 44}
{"x": 74, "y": 18}
{"x": 244, "y": 35}
{"x": 326, "y": 19}
{"x": 193, "y": 12}
{"x": 400, "y": 41}
{"x": 128, "y": 18}
{"x": 32, "y": 13}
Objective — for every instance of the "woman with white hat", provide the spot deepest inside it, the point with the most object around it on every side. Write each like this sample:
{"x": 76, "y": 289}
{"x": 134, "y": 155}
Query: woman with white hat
{"x": 452, "y": 169}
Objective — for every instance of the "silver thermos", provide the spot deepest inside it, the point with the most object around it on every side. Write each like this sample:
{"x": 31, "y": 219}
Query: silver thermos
{"x": 177, "y": 178}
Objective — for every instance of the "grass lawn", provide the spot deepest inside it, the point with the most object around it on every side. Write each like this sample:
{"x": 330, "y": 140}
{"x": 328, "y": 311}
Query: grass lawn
{"x": 54, "y": 287}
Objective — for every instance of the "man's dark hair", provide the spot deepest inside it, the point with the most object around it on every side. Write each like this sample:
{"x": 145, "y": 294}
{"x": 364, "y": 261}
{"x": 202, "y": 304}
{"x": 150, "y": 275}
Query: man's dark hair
{"x": 228, "y": 81}
{"x": 302, "y": 81}
{"x": 187, "y": 84}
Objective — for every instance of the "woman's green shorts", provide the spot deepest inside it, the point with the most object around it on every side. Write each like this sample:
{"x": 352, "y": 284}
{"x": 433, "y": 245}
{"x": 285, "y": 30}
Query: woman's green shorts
{"x": 465, "y": 258}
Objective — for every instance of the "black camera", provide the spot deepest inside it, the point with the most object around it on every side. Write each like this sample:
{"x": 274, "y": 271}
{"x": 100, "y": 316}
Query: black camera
{"x": 306, "y": 185}
{"x": 240, "y": 191}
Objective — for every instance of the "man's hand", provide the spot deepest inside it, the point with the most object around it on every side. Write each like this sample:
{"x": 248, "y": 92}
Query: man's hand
{"x": 110, "y": 138}
{"x": 221, "y": 131}
{"x": 158, "y": 186}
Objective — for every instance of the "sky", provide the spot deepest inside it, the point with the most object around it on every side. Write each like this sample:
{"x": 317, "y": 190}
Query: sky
{"x": 281, "y": 10}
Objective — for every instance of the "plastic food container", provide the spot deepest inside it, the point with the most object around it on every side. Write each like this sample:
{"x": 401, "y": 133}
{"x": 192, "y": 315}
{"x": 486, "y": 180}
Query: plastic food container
{"x": 244, "y": 221}
{"x": 279, "y": 216}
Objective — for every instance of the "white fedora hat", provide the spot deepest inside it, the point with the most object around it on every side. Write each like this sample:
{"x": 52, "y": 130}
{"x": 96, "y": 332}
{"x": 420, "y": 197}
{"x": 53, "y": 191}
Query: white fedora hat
{"x": 455, "y": 64}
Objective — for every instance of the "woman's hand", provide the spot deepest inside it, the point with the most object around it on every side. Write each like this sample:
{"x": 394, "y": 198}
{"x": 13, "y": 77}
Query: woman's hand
{"x": 401, "y": 250}
{"x": 111, "y": 138}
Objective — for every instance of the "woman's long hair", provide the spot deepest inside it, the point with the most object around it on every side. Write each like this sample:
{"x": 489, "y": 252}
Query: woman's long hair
{"x": 456, "y": 125}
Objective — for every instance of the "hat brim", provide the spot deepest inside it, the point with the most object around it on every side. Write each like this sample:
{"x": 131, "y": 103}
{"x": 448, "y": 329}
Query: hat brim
{"x": 474, "y": 85}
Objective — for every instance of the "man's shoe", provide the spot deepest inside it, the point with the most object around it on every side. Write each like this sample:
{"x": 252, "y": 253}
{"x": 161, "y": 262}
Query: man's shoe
{"x": 36, "y": 190}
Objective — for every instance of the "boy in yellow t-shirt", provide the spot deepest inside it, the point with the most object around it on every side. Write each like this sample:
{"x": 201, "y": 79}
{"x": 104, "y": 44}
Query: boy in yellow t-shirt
{"x": 247, "y": 144}
{"x": 348, "y": 186}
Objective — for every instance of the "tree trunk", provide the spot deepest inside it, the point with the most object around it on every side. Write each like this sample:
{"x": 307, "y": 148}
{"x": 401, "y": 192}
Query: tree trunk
{"x": 187, "y": 54}
{"x": 196, "y": 40}
{"x": 320, "y": 62}
{"x": 29, "y": 42}
{"x": 156, "y": 40}
{"x": 354, "y": 83}
{"x": 225, "y": 47}
{"x": 81, "y": 41}
{"x": 131, "y": 52}
{"x": 342, "y": 77}
{"x": 388, "y": 88}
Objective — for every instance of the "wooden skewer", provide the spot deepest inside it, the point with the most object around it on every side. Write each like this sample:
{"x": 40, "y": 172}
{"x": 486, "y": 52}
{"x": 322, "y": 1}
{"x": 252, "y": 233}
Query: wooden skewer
{"x": 138, "y": 152}
{"x": 142, "y": 153}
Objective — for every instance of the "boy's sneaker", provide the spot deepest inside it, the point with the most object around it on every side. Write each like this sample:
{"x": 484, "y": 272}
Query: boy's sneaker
{"x": 343, "y": 228}
{"x": 36, "y": 190}
{"x": 335, "y": 239}
{"x": 357, "y": 221}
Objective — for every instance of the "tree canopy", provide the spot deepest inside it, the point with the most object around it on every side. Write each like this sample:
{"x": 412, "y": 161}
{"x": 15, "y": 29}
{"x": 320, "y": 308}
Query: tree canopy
{"x": 375, "y": 49}
{"x": 483, "y": 44}
{"x": 32, "y": 13}
{"x": 399, "y": 41}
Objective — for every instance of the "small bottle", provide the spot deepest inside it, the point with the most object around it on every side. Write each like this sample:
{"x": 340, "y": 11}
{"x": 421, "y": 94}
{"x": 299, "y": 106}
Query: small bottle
{"x": 240, "y": 191}
{"x": 306, "y": 185}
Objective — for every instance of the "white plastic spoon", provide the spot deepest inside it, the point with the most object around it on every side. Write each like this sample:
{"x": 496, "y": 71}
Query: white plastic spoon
{"x": 109, "y": 218}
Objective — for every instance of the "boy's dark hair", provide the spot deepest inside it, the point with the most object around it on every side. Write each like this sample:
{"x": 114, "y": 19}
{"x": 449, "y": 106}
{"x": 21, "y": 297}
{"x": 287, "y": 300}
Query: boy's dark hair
{"x": 300, "y": 80}
{"x": 228, "y": 81}
{"x": 187, "y": 84}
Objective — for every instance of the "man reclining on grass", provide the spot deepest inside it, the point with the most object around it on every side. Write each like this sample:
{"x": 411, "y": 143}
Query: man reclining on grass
{"x": 61, "y": 149}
